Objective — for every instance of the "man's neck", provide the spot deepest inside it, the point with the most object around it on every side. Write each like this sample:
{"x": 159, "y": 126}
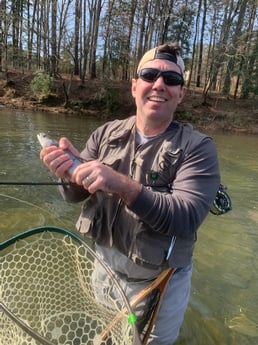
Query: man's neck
{"x": 152, "y": 128}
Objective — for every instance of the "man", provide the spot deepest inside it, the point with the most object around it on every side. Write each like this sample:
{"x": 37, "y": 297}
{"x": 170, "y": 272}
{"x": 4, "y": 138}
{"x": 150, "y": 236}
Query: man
{"x": 147, "y": 183}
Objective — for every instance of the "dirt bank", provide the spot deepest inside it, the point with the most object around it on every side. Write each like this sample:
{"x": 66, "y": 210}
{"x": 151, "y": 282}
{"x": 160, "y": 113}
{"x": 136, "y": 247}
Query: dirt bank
{"x": 108, "y": 99}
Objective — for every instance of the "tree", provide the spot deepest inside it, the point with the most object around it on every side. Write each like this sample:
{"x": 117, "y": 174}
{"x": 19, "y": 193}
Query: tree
{"x": 53, "y": 66}
{"x": 95, "y": 10}
{"x": 77, "y": 23}
{"x": 200, "y": 57}
{"x": 3, "y": 36}
{"x": 249, "y": 61}
{"x": 234, "y": 50}
{"x": 219, "y": 46}
{"x": 106, "y": 38}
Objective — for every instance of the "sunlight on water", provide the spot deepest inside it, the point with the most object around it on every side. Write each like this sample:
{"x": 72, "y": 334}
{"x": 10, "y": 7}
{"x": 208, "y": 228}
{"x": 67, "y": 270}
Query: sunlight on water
{"x": 242, "y": 324}
{"x": 223, "y": 308}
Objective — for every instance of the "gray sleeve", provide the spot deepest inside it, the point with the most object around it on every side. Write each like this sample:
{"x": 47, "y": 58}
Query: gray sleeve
{"x": 194, "y": 189}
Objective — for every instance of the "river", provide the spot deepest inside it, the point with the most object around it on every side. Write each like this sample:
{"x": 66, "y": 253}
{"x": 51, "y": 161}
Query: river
{"x": 223, "y": 308}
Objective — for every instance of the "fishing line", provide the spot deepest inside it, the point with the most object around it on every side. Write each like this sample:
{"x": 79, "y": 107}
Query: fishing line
{"x": 32, "y": 205}
{"x": 221, "y": 204}
{"x": 8, "y": 183}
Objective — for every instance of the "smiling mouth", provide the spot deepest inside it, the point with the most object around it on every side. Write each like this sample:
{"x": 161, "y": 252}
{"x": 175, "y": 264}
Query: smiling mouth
{"x": 157, "y": 99}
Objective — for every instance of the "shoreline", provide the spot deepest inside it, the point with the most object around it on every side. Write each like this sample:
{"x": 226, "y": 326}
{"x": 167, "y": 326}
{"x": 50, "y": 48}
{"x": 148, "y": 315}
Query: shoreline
{"x": 203, "y": 124}
{"x": 97, "y": 100}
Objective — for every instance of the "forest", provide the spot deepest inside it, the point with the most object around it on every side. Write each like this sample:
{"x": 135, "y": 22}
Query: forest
{"x": 104, "y": 39}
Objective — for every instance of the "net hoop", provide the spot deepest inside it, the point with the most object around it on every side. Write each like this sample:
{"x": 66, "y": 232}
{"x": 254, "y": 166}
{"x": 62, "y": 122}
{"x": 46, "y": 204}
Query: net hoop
{"x": 44, "y": 324}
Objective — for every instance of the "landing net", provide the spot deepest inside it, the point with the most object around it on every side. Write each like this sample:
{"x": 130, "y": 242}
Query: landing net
{"x": 51, "y": 292}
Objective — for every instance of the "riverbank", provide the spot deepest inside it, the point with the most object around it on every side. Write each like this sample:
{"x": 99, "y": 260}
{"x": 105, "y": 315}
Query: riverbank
{"x": 109, "y": 99}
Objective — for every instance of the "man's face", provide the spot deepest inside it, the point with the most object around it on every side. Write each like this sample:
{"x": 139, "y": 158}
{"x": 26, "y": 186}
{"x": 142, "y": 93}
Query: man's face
{"x": 156, "y": 102}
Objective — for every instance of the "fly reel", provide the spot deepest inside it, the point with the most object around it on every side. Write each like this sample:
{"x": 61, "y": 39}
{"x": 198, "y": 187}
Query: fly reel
{"x": 222, "y": 202}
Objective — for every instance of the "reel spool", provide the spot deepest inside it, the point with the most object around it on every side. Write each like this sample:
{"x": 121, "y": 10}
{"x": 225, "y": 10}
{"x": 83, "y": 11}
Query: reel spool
{"x": 222, "y": 202}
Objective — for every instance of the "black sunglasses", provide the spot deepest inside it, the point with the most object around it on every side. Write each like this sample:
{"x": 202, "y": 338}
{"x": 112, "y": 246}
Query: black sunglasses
{"x": 171, "y": 78}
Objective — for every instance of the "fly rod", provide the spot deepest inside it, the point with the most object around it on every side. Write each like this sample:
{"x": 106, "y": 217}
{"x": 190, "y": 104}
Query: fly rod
{"x": 31, "y": 183}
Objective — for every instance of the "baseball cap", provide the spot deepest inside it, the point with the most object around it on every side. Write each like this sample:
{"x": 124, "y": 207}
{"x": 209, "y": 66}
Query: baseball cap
{"x": 164, "y": 54}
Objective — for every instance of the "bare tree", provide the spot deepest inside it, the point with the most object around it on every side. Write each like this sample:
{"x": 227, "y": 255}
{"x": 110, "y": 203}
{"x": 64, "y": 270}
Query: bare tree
{"x": 249, "y": 59}
{"x": 106, "y": 38}
{"x": 3, "y": 36}
{"x": 95, "y": 10}
{"x": 77, "y": 23}
{"x": 234, "y": 53}
{"x": 53, "y": 66}
{"x": 127, "y": 46}
{"x": 200, "y": 57}
{"x": 219, "y": 45}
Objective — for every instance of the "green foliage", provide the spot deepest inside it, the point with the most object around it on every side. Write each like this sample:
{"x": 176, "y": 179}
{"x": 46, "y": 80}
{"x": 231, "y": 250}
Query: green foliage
{"x": 41, "y": 85}
{"x": 108, "y": 97}
{"x": 254, "y": 90}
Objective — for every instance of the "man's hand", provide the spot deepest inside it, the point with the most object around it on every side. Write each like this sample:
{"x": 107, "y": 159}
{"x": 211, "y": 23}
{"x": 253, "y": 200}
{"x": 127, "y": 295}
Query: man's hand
{"x": 95, "y": 176}
{"x": 57, "y": 160}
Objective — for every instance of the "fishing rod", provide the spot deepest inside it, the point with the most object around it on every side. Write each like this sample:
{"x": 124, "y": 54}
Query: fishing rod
{"x": 31, "y": 183}
{"x": 221, "y": 204}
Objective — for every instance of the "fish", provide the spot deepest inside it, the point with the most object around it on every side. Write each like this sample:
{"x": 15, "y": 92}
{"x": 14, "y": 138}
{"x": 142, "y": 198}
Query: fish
{"x": 46, "y": 141}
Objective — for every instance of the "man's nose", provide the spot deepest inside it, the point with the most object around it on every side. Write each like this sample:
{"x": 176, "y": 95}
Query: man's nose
{"x": 159, "y": 83}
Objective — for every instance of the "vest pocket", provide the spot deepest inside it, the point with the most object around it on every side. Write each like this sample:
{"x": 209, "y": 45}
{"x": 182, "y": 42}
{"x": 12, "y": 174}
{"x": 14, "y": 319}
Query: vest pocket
{"x": 150, "y": 249}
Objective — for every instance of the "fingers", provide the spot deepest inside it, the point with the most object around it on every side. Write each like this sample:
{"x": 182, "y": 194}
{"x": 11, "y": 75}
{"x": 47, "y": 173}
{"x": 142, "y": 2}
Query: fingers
{"x": 91, "y": 175}
{"x": 65, "y": 144}
{"x": 90, "y": 184}
{"x": 60, "y": 165}
{"x": 56, "y": 160}
{"x": 84, "y": 174}
{"x": 46, "y": 150}
{"x": 89, "y": 180}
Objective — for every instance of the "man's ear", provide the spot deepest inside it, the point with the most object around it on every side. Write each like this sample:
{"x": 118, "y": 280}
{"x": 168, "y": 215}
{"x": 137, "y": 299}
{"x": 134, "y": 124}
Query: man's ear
{"x": 133, "y": 88}
{"x": 182, "y": 94}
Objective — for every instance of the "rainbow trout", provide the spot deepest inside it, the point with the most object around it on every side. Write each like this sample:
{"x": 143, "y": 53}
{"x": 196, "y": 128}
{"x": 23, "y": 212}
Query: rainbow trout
{"x": 45, "y": 141}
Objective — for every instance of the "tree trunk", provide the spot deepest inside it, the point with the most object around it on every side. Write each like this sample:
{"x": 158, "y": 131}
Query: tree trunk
{"x": 200, "y": 58}
{"x": 94, "y": 38}
{"x": 77, "y": 23}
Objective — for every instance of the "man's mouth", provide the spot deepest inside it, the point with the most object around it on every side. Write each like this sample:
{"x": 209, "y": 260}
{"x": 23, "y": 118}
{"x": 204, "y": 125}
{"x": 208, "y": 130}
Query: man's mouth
{"x": 157, "y": 99}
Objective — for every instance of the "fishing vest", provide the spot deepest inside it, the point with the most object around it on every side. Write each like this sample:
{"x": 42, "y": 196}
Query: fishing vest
{"x": 108, "y": 221}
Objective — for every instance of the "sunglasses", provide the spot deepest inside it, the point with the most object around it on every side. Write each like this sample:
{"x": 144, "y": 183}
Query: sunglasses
{"x": 171, "y": 78}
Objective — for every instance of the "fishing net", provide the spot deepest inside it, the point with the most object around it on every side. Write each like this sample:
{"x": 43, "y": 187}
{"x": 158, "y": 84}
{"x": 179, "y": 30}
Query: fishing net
{"x": 50, "y": 293}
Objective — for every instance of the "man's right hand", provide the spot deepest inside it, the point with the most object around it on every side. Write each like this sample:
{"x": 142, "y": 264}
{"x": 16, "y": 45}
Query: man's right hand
{"x": 58, "y": 161}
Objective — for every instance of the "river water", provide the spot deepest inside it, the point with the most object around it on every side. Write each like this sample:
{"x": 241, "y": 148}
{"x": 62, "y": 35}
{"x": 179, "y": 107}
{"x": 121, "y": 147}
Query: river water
{"x": 223, "y": 308}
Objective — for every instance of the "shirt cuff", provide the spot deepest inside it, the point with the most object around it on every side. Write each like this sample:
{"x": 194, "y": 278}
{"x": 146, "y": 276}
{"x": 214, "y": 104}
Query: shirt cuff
{"x": 144, "y": 202}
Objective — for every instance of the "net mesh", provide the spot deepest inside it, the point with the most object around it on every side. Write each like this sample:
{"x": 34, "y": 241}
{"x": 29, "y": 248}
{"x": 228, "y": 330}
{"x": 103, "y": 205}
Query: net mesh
{"x": 52, "y": 284}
